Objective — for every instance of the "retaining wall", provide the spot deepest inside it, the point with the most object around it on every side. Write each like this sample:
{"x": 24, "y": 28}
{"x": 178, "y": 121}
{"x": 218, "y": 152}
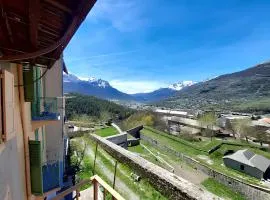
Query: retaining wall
{"x": 119, "y": 139}
{"x": 167, "y": 183}
{"x": 251, "y": 191}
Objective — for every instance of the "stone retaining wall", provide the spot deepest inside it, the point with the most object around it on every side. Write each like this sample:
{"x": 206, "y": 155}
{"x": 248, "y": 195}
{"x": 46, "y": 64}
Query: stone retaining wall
{"x": 119, "y": 139}
{"x": 167, "y": 183}
{"x": 251, "y": 192}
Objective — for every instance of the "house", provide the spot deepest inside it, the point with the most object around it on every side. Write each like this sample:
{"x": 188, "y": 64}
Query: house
{"x": 33, "y": 143}
{"x": 248, "y": 162}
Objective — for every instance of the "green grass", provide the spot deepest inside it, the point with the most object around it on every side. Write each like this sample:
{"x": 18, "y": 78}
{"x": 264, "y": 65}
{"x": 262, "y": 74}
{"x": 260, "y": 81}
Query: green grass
{"x": 187, "y": 148}
{"x": 138, "y": 149}
{"x": 105, "y": 132}
{"x": 143, "y": 188}
{"x": 221, "y": 190}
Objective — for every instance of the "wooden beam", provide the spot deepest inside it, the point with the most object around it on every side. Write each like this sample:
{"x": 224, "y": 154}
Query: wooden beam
{"x": 34, "y": 16}
{"x": 59, "y": 6}
{"x": 82, "y": 10}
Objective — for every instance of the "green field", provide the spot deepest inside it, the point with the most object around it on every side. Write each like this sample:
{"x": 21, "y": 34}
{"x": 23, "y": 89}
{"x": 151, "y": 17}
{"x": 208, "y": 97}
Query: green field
{"x": 142, "y": 188}
{"x": 221, "y": 190}
{"x": 198, "y": 149}
{"x": 105, "y": 132}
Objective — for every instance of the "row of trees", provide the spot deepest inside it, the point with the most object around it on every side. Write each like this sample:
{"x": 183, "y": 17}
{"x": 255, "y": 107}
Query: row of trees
{"x": 240, "y": 128}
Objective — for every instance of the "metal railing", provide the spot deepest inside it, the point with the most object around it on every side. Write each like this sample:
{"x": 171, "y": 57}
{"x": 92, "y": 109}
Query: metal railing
{"x": 98, "y": 183}
{"x": 45, "y": 108}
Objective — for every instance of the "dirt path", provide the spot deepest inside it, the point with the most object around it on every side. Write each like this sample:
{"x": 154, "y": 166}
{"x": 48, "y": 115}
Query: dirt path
{"x": 119, "y": 184}
{"x": 183, "y": 170}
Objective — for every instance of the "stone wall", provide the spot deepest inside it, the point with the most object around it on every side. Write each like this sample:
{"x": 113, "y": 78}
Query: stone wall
{"x": 135, "y": 132}
{"x": 249, "y": 190}
{"x": 119, "y": 139}
{"x": 167, "y": 183}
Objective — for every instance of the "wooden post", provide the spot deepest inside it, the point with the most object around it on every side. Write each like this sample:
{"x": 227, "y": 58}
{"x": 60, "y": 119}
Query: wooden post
{"x": 77, "y": 194}
{"x": 94, "y": 170}
{"x": 104, "y": 194}
{"x": 114, "y": 177}
{"x": 95, "y": 183}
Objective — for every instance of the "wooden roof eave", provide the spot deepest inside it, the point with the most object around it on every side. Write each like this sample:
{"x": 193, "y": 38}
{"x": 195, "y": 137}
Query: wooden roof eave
{"x": 53, "y": 52}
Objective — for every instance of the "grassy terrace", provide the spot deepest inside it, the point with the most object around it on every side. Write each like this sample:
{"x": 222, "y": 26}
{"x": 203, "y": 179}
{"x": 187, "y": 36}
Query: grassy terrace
{"x": 209, "y": 184}
{"x": 221, "y": 190}
{"x": 199, "y": 151}
{"x": 105, "y": 132}
{"x": 142, "y": 189}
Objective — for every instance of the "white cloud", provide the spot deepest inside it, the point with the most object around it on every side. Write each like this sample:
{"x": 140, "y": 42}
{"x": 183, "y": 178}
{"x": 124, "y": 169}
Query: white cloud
{"x": 132, "y": 87}
{"x": 123, "y": 15}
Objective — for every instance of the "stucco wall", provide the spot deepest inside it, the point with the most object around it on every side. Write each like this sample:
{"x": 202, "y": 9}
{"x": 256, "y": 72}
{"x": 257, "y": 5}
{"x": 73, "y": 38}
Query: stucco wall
{"x": 170, "y": 185}
{"x": 54, "y": 133}
{"x": 12, "y": 168}
{"x": 251, "y": 192}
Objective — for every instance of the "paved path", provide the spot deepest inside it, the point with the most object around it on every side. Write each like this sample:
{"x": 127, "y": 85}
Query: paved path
{"x": 117, "y": 127}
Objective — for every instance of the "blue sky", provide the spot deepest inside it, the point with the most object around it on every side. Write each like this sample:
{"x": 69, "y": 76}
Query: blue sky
{"x": 142, "y": 45}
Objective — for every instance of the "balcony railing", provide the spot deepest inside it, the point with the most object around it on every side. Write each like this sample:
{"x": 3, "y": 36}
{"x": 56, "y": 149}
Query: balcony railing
{"x": 51, "y": 176}
{"x": 44, "y": 176}
{"x": 98, "y": 186}
{"x": 44, "y": 110}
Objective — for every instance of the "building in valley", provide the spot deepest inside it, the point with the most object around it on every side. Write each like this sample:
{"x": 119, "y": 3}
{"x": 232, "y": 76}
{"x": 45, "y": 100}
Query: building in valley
{"x": 250, "y": 163}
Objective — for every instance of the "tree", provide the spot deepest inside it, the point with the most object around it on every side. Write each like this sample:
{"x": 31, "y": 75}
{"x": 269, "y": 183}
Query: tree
{"x": 242, "y": 128}
{"x": 229, "y": 127}
{"x": 209, "y": 120}
{"x": 261, "y": 135}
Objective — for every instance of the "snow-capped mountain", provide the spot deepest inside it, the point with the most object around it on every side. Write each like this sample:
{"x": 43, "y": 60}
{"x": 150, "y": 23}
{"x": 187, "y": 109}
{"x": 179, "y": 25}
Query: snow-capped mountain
{"x": 102, "y": 89}
{"x": 180, "y": 85}
{"x": 163, "y": 93}
{"x": 92, "y": 86}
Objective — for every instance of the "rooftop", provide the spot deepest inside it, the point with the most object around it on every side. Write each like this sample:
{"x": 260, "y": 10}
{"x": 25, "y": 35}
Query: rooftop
{"x": 251, "y": 159}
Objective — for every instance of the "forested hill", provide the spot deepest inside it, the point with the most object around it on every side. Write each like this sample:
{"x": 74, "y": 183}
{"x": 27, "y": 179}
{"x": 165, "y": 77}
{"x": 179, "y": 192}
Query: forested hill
{"x": 77, "y": 104}
{"x": 247, "y": 90}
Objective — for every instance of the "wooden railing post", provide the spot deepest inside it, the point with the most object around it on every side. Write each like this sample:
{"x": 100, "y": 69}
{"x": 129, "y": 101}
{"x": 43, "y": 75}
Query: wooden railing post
{"x": 104, "y": 194}
{"x": 95, "y": 183}
{"x": 77, "y": 194}
{"x": 94, "y": 171}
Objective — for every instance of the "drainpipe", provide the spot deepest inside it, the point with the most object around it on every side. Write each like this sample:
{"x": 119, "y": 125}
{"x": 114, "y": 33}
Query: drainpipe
{"x": 25, "y": 131}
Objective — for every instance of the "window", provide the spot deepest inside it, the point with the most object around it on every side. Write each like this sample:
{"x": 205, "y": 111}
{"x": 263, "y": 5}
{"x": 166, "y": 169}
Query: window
{"x": 7, "y": 125}
{"x": 242, "y": 167}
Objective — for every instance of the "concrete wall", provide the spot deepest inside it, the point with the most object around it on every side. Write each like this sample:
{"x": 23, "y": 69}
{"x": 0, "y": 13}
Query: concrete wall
{"x": 135, "y": 132}
{"x": 170, "y": 185}
{"x": 119, "y": 139}
{"x": 251, "y": 192}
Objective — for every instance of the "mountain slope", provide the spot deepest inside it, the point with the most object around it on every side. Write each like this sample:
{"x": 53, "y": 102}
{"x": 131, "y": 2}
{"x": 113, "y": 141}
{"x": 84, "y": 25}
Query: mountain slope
{"x": 162, "y": 93}
{"x": 156, "y": 95}
{"x": 102, "y": 89}
{"x": 77, "y": 105}
{"x": 95, "y": 87}
{"x": 229, "y": 91}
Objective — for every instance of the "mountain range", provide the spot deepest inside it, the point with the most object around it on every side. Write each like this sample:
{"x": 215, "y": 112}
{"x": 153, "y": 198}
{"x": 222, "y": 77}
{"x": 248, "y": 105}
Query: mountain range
{"x": 102, "y": 89}
{"x": 247, "y": 90}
